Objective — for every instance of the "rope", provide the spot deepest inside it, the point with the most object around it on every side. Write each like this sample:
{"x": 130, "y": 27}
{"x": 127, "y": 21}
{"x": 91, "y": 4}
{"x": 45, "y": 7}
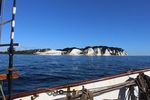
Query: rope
{"x": 143, "y": 83}
{"x": 86, "y": 95}
{"x": 83, "y": 94}
{"x": 1, "y": 19}
{"x": 1, "y": 89}
{"x": 89, "y": 94}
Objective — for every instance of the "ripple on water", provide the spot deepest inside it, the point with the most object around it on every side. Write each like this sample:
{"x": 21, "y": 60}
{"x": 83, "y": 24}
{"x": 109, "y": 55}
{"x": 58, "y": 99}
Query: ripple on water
{"x": 45, "y": 71}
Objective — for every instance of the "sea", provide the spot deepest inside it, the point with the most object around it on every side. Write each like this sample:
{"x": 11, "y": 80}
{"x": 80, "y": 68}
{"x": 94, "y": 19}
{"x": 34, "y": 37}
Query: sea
{"x": 43, "y": 71}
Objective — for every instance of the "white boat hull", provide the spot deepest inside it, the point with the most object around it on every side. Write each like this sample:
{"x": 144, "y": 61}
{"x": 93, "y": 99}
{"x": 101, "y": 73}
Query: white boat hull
{"x": 92, "y": 85}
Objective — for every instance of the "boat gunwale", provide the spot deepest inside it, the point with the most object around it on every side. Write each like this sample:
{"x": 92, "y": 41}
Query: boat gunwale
{"x": 42, "y": 90}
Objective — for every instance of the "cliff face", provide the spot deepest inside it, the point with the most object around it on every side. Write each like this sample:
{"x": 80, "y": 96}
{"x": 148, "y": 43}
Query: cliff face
{"x": 88, "y": 51}
{"x": 49, "y": 52}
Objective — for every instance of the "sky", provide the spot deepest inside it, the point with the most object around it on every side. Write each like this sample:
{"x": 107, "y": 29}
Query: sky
{"x": 58, "y": 24}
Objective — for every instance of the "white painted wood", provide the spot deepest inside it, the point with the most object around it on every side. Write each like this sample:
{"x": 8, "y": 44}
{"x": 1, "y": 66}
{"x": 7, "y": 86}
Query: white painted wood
{"x": 109, "y": 95}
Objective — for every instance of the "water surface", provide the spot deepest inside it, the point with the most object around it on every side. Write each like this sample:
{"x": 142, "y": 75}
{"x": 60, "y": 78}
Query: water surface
{"x": 45, "y": 71}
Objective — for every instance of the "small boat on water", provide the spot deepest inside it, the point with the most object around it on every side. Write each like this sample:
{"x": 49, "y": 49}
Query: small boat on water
{"x": 132, "y": 85}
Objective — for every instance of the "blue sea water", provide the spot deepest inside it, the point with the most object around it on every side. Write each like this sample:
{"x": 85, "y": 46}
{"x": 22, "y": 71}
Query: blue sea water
{"x": 38, "y": 71}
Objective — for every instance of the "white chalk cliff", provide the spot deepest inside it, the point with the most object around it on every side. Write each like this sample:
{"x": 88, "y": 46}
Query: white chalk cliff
{"x": 49, "y": 52}
{"x": 98, "y": 51}
{"x": 88, "y": 51}
{"x": 107, "y": 52}
{"x": 75, "y": 52}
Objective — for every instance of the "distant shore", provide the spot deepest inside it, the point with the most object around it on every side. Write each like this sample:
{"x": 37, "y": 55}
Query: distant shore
{"x": 74, "y": 51}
